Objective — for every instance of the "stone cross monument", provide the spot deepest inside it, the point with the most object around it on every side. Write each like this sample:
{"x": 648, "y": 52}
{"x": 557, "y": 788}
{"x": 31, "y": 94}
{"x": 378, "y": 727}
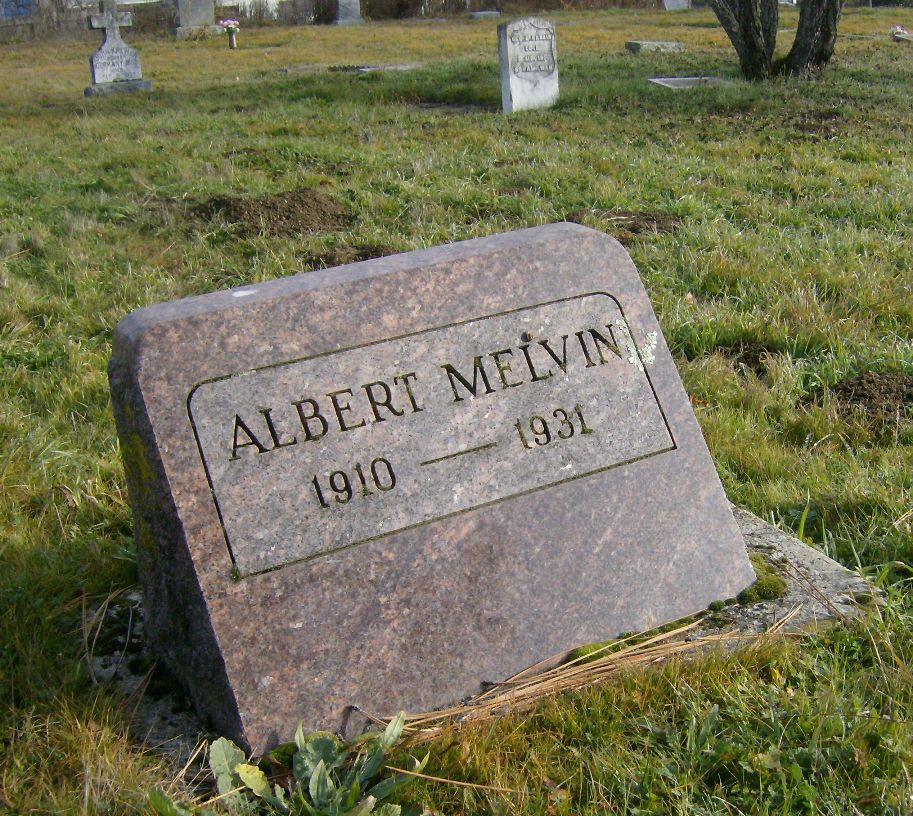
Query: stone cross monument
{"x": 114, "y": 65}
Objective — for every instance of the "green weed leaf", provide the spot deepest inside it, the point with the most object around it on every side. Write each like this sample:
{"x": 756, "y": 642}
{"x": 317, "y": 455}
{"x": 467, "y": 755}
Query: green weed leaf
{"x": 254, "y": 778}
{"x": 321, "y": 787}
{"x": 162, "y": 805}
{"x": 393, "y": 731}
{"x": 224, "y": 757}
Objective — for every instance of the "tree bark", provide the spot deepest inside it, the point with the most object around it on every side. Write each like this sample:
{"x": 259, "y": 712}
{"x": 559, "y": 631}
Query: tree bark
{"x": 816, "y": 36}
{"x": 752, "y": 28}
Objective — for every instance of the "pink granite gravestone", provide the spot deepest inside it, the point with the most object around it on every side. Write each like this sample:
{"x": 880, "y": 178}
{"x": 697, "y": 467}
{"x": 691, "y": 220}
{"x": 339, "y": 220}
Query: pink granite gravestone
{"x": 387, "y": 483}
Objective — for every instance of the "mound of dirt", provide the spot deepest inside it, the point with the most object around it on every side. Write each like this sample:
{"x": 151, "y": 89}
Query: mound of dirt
{"x": 749, "y": 353}
{"x": 344, "y": 254}
{"x": 625, "y": 225}
{"x": 289, "y": 213}
{"x": 881, "y": 395}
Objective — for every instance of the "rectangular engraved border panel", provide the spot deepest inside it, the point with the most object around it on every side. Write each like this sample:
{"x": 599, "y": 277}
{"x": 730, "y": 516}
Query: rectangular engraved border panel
{"x": 313, "y": 455}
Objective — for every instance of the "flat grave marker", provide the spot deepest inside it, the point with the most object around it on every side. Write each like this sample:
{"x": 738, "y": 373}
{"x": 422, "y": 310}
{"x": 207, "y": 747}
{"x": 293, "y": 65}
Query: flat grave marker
{"x": 114, "y": 66}
{"x": 384, "y": 484}
{"x": 529, "y": 64}
{"x": 638, "y": 46}
{"x": 687, "y": 83}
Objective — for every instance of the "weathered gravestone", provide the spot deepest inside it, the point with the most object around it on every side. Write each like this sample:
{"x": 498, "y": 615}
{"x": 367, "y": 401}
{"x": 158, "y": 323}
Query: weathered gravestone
{"x": 195, "y": 17}
{"x": 348, "y": 12}
{"x": 676, "y": 5}
{"x": 387, "y": 483}
{"x": 115, "y": 65}
{"x": 529, "y": 64}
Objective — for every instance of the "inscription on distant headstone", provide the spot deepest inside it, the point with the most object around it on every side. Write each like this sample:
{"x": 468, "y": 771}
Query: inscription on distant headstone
{"x": 417, "y": 473}
{"x": 529, "y": 64}
{"x": 115, "y": 65}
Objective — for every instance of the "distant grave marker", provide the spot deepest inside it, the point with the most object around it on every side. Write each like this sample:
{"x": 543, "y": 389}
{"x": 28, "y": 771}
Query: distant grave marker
{"x": 348, "y": 12}
{"x": 383, "y": 484}
{"x": 529, "y": 64}
{"x": 676, "y": 5}
{"x": 196, "y": 17}
{"x": 485, "y": 14}
{"x": 114, "y": 66}
{"x": 638, "y": 46}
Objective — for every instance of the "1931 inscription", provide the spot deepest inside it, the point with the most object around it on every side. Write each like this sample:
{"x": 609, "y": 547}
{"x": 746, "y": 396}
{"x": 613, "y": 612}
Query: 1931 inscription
{"x": 366, "y": 441}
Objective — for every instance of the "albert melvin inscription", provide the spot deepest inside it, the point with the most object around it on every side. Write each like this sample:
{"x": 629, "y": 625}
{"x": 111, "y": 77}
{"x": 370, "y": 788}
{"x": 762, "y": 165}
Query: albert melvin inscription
{"x": 383, "y": 484}
{"x": 529, "y": 398}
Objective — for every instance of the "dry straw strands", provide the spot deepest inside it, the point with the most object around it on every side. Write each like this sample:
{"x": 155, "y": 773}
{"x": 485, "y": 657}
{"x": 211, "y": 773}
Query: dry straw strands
{"x": 535, "y": 682}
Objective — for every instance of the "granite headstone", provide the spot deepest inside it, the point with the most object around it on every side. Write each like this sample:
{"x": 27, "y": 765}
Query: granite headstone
{"x": 196, "y": 17}
{"x": 114, "y": 66}
{"x": 529, "y": 64}
{"x": 676, "y": 5}
{"x": 386, "y": 483}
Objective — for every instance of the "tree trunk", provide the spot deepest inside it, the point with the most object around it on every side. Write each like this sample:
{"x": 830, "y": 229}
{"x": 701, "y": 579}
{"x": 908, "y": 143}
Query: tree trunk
{"x": 752, "y": 29}
{"x": 816, "y": 36}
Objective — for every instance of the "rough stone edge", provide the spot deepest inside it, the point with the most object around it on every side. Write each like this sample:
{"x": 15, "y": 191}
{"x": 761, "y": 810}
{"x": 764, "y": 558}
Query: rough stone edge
{"x": 824, "y": 591}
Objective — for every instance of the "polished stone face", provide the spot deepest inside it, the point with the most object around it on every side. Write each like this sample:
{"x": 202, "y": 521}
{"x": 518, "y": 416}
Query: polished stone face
{"x": 384, "y": 484}
{"x": 529, "y": 64}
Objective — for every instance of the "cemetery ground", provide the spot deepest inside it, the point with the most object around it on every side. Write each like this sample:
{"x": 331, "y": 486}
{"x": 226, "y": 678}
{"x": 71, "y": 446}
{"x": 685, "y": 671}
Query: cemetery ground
{"x": 772, "y": 227}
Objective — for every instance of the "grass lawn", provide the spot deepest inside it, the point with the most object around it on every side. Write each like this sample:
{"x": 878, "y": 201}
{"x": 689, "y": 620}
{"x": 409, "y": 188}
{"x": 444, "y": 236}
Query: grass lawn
{"x": 782, "y": 269}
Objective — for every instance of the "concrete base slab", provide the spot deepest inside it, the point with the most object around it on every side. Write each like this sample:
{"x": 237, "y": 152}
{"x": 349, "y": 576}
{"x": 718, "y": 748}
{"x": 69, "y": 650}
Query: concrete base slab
{"x": 124, "y": 86}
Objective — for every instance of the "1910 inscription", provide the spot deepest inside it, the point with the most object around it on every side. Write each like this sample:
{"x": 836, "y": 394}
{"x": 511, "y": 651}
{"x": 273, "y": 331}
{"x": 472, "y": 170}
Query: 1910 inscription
{"x": 362, "y": 442}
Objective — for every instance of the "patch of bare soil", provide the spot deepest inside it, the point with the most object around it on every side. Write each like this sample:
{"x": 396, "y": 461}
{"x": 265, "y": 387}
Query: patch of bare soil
{"x": 289, "y": 213}
{"x": 626, "y": 225}
{"x": 749, "y": 353}
{"x": 882, "y": 396}
{"x": 337, "y": 256}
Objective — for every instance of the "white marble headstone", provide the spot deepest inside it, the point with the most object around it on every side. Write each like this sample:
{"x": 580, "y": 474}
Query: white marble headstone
{"x": 529, "y": 64}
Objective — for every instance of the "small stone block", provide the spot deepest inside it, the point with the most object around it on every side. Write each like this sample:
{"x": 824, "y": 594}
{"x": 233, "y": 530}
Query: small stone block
{"x": 676, "y": 5}
{"x": 385, "y": 484}
{"x": 123, "y": 86}
{"x": 484, "y": 15}
{"x": 637, "y": 46}
{"x": 529, "y": 64}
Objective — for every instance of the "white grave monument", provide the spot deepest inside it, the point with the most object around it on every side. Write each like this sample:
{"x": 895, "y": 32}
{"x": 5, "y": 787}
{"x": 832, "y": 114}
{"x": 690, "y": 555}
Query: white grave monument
{"x": 529, "y": 64}
{"x": 114, "y": 65}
